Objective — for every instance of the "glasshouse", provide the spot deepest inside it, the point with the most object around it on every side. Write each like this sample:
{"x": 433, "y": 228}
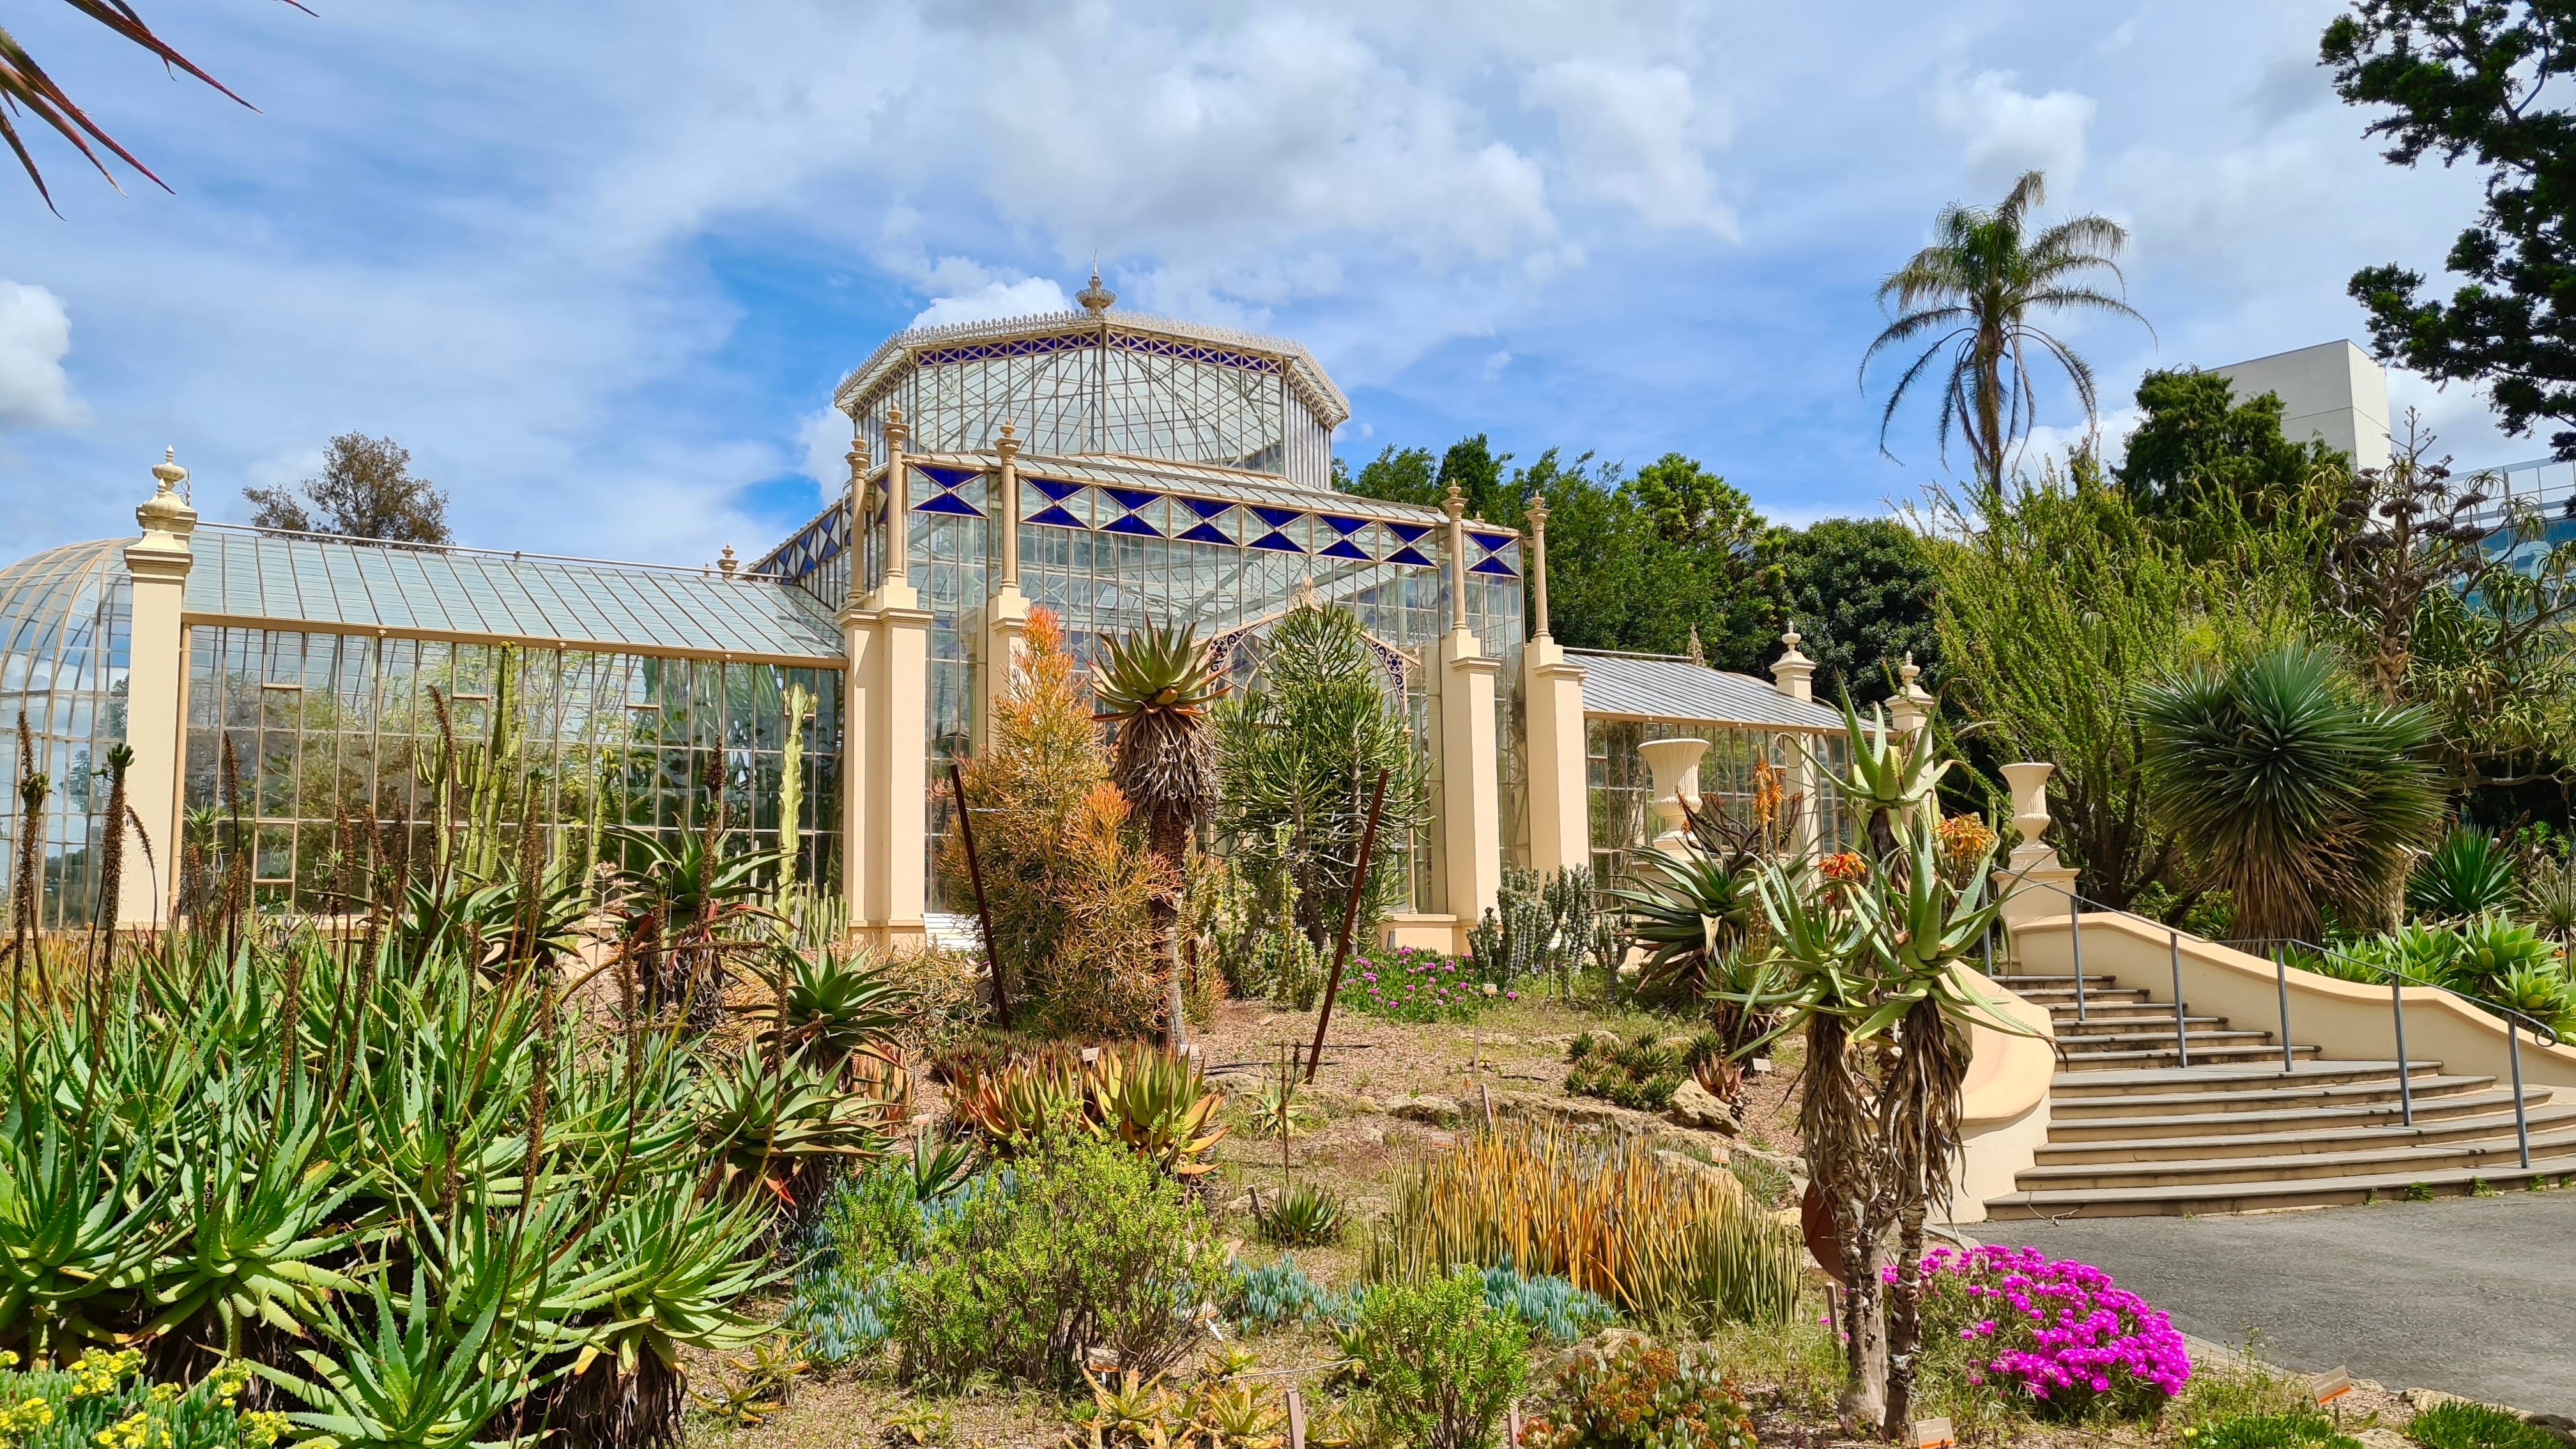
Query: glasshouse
{"x": 1116, "y": 470}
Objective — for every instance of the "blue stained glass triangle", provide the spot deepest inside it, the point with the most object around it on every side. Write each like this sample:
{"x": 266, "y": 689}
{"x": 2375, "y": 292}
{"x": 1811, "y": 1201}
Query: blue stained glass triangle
{"x": 1207, "y": 507}
{"x": 1409, "y": 532}
{"x": 1344, "y": 548}
{"x": 1279, "y": 517}
{"x": 1131, "y": 497}
{"x": 1344, "y": 526}
{"x": 1491, "y": 542}
{"x": 946, "y": 477}
{"x": 948, "y": 503}
{"x": 1277, "y": 542}
{"x": 1055, "y": 488}
{"x": 1202, "y": 533}
{"x": 1130, "y": 523}
{"x": 1494, "y": 566}
{"x": 1408, "y": 556}
{"x": 1055, "y": 518}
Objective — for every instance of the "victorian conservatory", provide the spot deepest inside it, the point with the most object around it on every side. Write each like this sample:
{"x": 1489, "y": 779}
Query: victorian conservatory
{"x": 1109, "y": 467}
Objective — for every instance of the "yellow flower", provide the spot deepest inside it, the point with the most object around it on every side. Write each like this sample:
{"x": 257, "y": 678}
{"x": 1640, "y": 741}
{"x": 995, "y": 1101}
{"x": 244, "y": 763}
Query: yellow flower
{"x": 99, "y": 1373}
{"x": 25, "y": 1417}
{"x": 263, "y": 1428}
{"x": 134, "y": 1431}
{"x": 164, "y": 1393}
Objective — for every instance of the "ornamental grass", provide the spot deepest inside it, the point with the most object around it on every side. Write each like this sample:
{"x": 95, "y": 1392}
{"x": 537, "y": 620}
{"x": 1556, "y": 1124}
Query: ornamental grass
{"x": 1665, "y": 1241}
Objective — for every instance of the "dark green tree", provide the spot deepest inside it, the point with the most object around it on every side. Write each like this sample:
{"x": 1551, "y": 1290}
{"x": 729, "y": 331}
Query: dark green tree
{"x": 2198, "y": 446}
{"x": 1694, "y": 509}
{"x": 1860, "y": 592}
{"x": 1477, "y": 470}
{"x": 1408, "y": 475}
{"x": 366, "y": 491}
{"x": 2465, "y": 80}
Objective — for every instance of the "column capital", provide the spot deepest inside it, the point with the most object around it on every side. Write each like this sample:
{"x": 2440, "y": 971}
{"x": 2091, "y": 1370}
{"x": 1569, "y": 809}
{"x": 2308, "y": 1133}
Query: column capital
{"x": 1008, "y": 444}
{"x": 897, "y": 433}
{"x": 1793, "y": 673}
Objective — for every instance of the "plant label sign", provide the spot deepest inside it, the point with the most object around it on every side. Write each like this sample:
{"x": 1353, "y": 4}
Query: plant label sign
{"x": 1296, "y": 1418}
{"x": 2330, "y": 1386}
{"x": 1934, "y": 1434}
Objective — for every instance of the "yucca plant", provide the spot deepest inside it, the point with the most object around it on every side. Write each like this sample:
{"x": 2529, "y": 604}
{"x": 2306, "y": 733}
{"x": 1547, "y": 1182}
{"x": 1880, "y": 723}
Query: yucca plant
{"x": 2468, "y": 874}
{"x": 1302, "y": 1216}
{"x": 1156, "y": 685}
{"x": 2549, "y": 899}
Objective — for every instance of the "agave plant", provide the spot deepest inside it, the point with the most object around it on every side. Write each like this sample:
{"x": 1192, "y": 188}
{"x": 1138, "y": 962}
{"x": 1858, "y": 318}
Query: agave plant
{"x": 1302, "y": 1216}
{"x": 2540, "y": 991}
{"x": 835, "y": 1008}
{"x": 2470, "y": 873}
{"x": 2492, "y": 948}
{"x": 1693, "y": 917}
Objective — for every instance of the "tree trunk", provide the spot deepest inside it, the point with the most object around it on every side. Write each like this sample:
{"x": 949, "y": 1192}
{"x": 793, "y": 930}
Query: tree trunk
{"x": 1864, "y": 1397}
{"x": 1904, "y": 1324}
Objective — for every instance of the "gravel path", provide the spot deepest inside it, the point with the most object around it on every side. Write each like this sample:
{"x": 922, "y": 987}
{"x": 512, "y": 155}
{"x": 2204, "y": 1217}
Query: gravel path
{"x": 2473, "y": 1296}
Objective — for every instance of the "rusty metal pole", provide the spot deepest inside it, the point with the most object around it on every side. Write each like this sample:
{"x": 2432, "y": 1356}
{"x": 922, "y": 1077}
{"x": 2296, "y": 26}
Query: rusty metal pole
{"x": 983, "y": 912}
{"x": 1350, "y": 918}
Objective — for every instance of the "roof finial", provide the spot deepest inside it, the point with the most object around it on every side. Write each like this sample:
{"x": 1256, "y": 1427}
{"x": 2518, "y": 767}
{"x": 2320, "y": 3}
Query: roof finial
{"x": 727, "y": 563}
{"x": 1095, "y": 299}
{"x": 1698, "y": 656}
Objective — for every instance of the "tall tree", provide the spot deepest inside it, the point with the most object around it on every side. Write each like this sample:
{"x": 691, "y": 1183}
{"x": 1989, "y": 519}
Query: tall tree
{"x": 1693, "y": 508}
{"x": 1477, "y": 469}
{"x": 23, "y": 83}
{"x": 2198, "y": 445}
{"x": 1977, "y": 293}
{"x": 1860, "y": 592}
{"x": 1409, "y": 475}
{"x": 366, "y": 491}
{"x": 2466, "y": 79}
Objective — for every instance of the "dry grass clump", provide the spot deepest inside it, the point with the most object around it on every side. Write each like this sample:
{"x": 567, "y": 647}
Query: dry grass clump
{"x": 1667, "y": 1243}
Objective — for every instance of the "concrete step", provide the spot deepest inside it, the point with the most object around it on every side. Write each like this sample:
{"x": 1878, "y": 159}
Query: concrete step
{"x": 2120, "y": 1036}
{"x": 2308, "y": 1137}
{"x": 2064, "y": 996}
{"x": 2458, "y": 1097}
{"x": 2216, "y": 1078}
{"x": 2203, "y": 1199}
{"x": 2163, "y": 1054}
{"x": 2411, "y": 1159}
{"x": 2153, "y": 1023}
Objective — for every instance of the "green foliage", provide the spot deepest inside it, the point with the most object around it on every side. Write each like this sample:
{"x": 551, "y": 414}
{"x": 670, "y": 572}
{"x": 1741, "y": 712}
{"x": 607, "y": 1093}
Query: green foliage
{"x": 1976, "y": 293}
{"x": 2469, "y": 81}
{"x": 1642, "y": 1074}
{"x": 1303, "y": 1215}
{"x": 1156, "y": 686}
{"x": 835, "y": 1006}
{"x": 2306, "y": 1427}
{"x": 1693, "y": 915}
{"x": 2198, "y": 448}
{"x": 1860, "y": 593}
{"x": 1082, "y": 1243}
{"x": 2549, "y": 897}
{"x": 1643, "y": 1396}
{"x": 2287, "y": 788}
{"x": 2462, "y": 1425}
{"x": 1554, "y": 1309}
{"x": 1277, "y": 1293}
{"x": 366, "y": 490}
{"x": 101, "y": 1401}
{"x": 1298, "y": 757}
{"x": 1441, "y": 1365}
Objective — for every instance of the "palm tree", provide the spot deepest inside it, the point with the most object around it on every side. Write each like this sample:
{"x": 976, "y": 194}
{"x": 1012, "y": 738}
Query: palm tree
{"x": 2289, "y": 788}
{"x": 1157, "y": 686}
{"x": 1975, "y": 292}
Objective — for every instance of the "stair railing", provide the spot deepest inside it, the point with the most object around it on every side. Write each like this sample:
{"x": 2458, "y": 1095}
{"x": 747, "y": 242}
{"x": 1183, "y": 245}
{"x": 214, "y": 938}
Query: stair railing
{"x": 2542, "y": 1033}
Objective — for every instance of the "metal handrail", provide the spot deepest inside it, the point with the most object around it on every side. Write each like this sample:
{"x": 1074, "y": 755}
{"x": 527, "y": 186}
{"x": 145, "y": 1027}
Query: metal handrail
{"x": 2514, "y": 1021}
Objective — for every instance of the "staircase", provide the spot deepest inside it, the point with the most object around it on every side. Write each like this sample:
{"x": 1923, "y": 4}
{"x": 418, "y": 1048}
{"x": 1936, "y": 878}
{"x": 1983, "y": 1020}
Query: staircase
{"x": 2133, "y": 1132}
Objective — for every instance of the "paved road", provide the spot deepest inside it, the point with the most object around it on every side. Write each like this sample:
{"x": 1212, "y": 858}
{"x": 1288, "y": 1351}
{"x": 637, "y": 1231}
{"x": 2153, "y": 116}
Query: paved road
{"x": 2473, "y": 1296}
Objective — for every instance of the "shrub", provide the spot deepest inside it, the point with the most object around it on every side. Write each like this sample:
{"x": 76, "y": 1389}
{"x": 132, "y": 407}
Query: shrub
{"x": 2468, "y": 874}
{"x": 1645, "y": 1396}
{"x": 1084, "y": 1243}
{"x": 1411, "y": 985}
{"x": 2460, "y": 1425}
{"x": 2301, "y": 1428}
{"x": 2061, "y": 1332}
{"x": 1666, "y": 1240}
{"x": 102, "y": 1402}
{"x": 1441, "y": 1364}
{"x": 872, "y": 1226}
{"x": 1303, "y": 1216}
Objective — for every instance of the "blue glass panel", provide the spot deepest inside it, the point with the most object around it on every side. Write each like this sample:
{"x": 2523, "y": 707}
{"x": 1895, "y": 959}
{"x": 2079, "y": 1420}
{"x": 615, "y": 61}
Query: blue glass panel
{"x": 1344, "y": 526}
{"x": 1409, "y": 532}
{"x": 1130, "y": 523}
{"x": 1054, "y": 518}
{"x": 947, "y": 477}
{"x": 1055, "y": 488}
{"x": 1207, "y": 507}
{"x": 1131, "y": 498}
{"x": 1408, "y": 556}
{"x": 1490, "y": 542}
{"x": 948, "y": 503}
{"x": 1494, "y": 566}
{"x": 1201, "y": 533}
{"x": 1277, "y": 542}
{"x": 1278, "y": 517}
{"x": 1343, "y": 548}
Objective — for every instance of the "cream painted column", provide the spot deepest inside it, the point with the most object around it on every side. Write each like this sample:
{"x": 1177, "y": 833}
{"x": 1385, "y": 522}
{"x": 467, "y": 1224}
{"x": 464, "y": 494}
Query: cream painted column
{"x": 898, "y": 725}
{"x": 1471, "y": 815}
{"x": 1006, "y": 613}
{"x": 1912, "y": 707}
{"x": 1552, "y": 688}
{"x": 858, "y": 637}
{"x": 1794, "y": 675}
{"x": 156, "y": 675}
{"x": 2037, "y": 885}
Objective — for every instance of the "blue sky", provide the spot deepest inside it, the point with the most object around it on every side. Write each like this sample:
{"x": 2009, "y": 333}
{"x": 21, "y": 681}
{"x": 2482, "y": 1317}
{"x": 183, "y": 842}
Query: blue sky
{"x": 599, "y": 266}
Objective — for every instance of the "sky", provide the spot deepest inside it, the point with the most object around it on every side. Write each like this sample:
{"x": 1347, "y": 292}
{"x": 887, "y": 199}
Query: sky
{"x": 600, "y": 266}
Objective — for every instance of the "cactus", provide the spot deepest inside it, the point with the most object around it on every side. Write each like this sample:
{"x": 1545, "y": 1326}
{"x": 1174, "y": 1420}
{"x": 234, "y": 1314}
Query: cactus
{"x": 791, "y": 783}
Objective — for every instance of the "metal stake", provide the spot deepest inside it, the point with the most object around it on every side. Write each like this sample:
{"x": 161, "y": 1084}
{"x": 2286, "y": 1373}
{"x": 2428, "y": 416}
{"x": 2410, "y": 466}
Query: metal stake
{"x": 2405, "y": 1072}
{"x": 2182, "y": 1037}
{"x": 2075, "y": 938}
{"x": 1350, "y": 918}
{"x": 984, "y": 913}
{"x": 2521, "y": 1115}
{"x": 2281, "y": 983}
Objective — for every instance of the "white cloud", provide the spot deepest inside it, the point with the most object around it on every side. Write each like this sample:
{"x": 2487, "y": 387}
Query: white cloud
{"x": 35, "y": 332}
{"x": 1026, "y": 297}
{"x": 2007, "y": 131}
{"x": 2111, "y": 435}
{"x": 1637, "y": 136}
{"x": 1495, "y": 362}
{"x": 824, "y": 439}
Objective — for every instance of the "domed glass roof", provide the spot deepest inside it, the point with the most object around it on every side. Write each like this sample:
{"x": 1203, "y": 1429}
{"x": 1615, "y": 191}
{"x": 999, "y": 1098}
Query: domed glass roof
{"x": 65, "y": 616}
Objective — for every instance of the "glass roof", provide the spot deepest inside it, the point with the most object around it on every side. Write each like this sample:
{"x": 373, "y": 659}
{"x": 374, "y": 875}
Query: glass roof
{"x": 350, "y": 585}
{"x": 1229, "y": 484}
